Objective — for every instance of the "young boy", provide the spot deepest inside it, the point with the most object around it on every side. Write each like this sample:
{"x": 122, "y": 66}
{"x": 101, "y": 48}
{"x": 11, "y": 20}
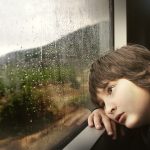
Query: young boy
{"x": 119, "y": 83}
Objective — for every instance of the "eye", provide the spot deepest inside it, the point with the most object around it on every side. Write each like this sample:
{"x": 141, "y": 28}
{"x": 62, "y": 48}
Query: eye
{"x": 110, "y": 89}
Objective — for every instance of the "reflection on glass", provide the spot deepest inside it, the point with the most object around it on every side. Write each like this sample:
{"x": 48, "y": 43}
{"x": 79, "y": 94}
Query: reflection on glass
{"x": 44, "y": 59}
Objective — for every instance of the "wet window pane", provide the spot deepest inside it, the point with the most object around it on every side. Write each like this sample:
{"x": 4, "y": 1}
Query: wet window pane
{"x": 46, "y": 48}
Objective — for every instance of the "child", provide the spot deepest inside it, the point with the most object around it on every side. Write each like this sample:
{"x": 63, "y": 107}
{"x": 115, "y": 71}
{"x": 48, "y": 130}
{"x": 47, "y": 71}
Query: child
{"x": 119, "y": 83}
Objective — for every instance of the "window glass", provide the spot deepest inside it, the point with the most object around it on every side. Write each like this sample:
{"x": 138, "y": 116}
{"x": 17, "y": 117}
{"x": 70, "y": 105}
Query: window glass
{"x": 46, "y": 48}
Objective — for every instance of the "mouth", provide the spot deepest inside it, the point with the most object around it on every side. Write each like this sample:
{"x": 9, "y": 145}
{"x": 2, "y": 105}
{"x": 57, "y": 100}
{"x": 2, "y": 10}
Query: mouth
{"x": 120, "y": 118}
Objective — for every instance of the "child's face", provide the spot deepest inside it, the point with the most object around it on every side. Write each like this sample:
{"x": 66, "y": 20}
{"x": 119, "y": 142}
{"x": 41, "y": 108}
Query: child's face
{"x": 125, "y": 103}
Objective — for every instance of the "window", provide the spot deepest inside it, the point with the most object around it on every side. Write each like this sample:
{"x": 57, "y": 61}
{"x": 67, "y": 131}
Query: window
{"x": 45, "y": 52}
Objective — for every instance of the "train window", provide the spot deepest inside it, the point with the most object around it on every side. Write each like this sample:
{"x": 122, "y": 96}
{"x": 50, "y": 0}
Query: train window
{"x": 45, "y": 52}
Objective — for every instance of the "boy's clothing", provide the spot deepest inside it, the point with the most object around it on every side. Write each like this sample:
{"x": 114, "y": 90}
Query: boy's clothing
{"x": 138, "y": 139}
{"x": 146, "y": 136}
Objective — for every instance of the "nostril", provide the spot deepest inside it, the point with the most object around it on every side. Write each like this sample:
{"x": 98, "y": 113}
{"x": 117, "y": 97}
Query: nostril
{"x": 111, "y": 110}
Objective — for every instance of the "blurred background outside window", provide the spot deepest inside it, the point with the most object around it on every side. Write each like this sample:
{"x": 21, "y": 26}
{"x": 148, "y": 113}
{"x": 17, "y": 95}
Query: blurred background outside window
{"x": 46, "y": 48}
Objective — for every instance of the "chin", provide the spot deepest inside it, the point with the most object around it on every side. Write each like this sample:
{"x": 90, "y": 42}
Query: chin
{"x": 132, "y": 123}
{"x": 131, "y": 126}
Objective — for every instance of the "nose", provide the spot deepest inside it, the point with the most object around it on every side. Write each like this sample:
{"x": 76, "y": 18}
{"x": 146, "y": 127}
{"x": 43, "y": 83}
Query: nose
{"x": 110, "y": 109}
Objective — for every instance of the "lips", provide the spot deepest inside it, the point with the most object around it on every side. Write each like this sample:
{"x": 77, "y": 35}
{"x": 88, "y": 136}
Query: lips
{"x": 120, "y": 118}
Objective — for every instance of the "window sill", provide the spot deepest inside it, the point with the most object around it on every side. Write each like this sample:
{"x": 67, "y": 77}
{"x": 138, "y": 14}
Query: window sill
{"x": 85, "y": 139}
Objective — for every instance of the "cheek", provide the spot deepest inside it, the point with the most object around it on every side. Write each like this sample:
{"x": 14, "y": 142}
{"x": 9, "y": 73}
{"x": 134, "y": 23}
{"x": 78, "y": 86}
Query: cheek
{"x": 125, "y": 99}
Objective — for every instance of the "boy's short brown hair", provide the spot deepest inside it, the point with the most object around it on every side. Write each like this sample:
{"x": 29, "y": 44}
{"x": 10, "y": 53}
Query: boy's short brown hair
{"x": 131, "y": 62}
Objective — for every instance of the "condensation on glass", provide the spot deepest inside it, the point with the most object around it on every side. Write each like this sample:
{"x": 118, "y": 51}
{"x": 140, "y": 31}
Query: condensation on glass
{"x": 46, "y": 48}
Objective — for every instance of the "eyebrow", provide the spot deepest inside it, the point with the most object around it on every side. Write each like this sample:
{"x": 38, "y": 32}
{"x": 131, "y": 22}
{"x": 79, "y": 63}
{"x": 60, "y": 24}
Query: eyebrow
{"x": 109, "y": 83}
{"x": 105, "y": 84}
